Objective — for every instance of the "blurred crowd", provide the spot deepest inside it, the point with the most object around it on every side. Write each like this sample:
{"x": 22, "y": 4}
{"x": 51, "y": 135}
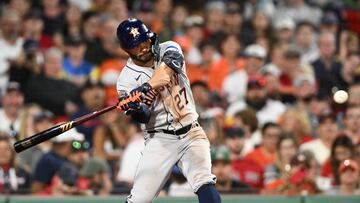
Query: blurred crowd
{"x": 276, "y": 84}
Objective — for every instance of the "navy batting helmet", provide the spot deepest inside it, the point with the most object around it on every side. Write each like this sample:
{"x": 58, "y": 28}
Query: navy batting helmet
{"x": 132, "y": 32}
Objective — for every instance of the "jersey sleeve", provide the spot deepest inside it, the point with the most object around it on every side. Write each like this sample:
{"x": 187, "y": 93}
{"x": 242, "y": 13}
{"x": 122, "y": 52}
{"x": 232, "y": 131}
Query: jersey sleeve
{"x": 123, "y": 86}
{"x": 171, "y": 46}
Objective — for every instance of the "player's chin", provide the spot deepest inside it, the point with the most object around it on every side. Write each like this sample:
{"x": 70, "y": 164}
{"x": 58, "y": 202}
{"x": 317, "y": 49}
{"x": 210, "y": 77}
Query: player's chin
{"x": 146, "y": 57}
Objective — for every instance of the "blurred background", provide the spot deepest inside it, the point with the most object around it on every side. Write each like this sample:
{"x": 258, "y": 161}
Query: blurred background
{"x": 276, "y": 84}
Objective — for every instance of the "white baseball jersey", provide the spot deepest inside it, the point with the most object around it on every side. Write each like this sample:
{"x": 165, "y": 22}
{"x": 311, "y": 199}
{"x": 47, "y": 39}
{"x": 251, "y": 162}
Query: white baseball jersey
{"x": 172, "y": 109}
{"x": 174, "y": 106}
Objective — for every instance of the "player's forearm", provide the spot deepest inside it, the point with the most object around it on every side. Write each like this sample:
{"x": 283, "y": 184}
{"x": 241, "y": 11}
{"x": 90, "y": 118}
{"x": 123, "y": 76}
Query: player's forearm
{"x": 161, "y": 76}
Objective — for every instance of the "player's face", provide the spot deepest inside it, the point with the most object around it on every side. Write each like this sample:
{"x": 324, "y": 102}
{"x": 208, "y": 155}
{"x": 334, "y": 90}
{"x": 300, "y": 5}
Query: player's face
{"x": 141, "y": 53}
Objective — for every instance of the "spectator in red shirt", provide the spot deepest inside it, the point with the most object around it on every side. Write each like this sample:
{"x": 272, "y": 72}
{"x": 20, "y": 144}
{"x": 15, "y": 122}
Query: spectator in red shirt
{"x": 246, "y": 170}
{"x": 222, "y": 168}
{"x": 341, "y": 149}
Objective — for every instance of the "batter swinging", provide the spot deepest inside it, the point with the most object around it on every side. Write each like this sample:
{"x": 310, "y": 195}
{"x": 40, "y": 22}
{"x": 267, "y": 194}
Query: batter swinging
{"x": 172, "y": 133}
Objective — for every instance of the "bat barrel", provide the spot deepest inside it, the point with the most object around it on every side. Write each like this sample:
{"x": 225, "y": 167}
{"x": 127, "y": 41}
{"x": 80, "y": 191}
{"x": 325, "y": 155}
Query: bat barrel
{"x": 38, "y": 138}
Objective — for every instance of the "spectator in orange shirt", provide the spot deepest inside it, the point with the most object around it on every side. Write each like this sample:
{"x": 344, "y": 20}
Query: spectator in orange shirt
{"x": 229, "y": 62}
{"x": 266, "y": 153}
{"x": 286, "y": 148}
{"x": 200, "y": 72}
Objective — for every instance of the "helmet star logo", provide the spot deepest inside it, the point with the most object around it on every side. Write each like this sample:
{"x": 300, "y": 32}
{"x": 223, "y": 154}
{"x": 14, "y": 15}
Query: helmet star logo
{"x": 134, "y": 32}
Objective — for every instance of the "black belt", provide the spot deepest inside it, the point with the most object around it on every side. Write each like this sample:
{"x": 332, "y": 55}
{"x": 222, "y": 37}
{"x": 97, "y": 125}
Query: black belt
{"x": 180, "y": 131}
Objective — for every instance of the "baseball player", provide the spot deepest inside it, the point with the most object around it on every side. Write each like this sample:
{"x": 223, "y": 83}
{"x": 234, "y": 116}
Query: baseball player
{"x": 167, "y": 113}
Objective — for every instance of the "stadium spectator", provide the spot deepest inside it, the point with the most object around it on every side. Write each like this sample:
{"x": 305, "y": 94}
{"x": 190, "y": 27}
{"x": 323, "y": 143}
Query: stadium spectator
{"x": 50, "y": 162}
{"x": 28, "y": 61}
{"x": 296, "y": 122}
{"x": 28, "y": 159}
{"x": 228, "y": 63}
{"x": 326, "y": 68}
{"x": 290, "y": 69}
{"x": 349, "y": 179}
{"x": 266, "y": 153}
{"x": 276, "y": 59}
{"x": 11, "y": 43}
{"x": 298, "y": 10}
{"x": 105, "y": 46}
{"x": 14, "y": 179}
{"x": 76, "y": 69}
{"x": 255, "y": 56}
{"x": 305, "y": 42}
{"x": 246, "y": 120}
{"x": 341, "y": 149}
{"x": 354, "y": 95}
{"x": 267, "y": 110}
{"x": 200, "y": 72}
{"x": 284, "y": 31}
{"x": 222, "y": 168}
{"x": 66, "y": 178}
{"x": 73, "y": 22}
{"x": 94, "y": 177}
{"x": 327, "y": 131}
{"x": 304, "y": 90}
{"x": 286, "y": 148}
{"x": 118, "y": 9}
{"x": 245, "y": 170}
{"x": 257, "y": 27}
{"x": 351, "y": 122}
{"x": 13, "y": 102}
{"x": 299, "y": 179}
{"x": 57, "y": 95}
{"x": 93, "y": 98}
{"x": 349, "y": 70}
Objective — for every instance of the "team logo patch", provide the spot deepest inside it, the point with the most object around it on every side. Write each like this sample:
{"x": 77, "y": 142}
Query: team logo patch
{"x": 134, "y": 31}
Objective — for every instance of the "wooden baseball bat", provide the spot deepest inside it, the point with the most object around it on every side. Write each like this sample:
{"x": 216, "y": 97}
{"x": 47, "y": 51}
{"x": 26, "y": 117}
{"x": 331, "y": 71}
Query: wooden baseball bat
{"x": 40, "y": 137}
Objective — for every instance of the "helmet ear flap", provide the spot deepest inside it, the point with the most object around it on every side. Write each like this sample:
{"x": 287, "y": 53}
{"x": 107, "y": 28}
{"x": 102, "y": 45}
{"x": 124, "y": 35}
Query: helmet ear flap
{"x": 155, "y": 48}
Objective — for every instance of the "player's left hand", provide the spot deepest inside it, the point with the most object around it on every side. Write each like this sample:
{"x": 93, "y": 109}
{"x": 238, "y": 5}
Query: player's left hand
{"x": 144, "y": 88}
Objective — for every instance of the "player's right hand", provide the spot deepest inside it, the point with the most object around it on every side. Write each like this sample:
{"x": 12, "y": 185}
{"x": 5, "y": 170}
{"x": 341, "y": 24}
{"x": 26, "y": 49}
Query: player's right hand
{"x": 128, "y": 106}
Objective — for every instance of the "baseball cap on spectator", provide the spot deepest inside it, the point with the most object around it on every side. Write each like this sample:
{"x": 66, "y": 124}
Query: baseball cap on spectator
{"x": 74, "y": 41}
{"x": 329, "y": 18}
{"x": 220, "y": 153}
{"x": 256, "y": 82}
{"x": 285, "y": 23}
{"x": 69, "y": 136}
{"x": 232, "y": 8}
{"x": 33, "y": 14}
{"x": 348, "y": 164}
{"x": 292, "y": 53}
{"x": 232, "y": 132}
{"x": 43, "y": 115}
{"x": 94, "y": 166}
{"x": 298, "y": 80}
{"x": 193, "y": 21}
{"x": 255, "y": 50}
{"x": 215, "y": 5}
{"x": 13, "y": 86}
{"x": 91, "y": 84}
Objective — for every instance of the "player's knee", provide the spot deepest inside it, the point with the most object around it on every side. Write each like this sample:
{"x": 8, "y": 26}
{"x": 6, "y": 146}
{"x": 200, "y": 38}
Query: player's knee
{"x": 208, "y": 194}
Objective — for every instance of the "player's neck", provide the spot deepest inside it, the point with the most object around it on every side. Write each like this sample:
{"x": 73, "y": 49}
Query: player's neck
{"x": 148, "y": 64}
